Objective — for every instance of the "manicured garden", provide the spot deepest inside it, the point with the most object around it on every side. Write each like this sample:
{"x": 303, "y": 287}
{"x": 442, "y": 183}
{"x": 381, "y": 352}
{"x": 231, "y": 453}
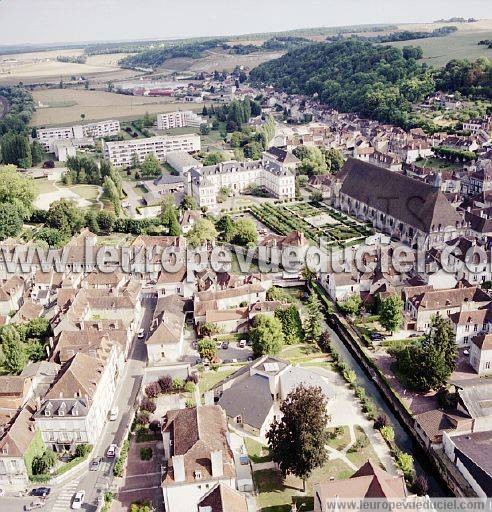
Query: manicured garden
{"x": 336, "y": 228}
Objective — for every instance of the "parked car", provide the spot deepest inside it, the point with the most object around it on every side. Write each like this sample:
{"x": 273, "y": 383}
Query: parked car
{"x": 414, "y": 335}
{"x": 95, "y": 463}
{"x": 40, "y": 491}
{"x": 111, "y": 451}
{"x": 249, "y": 343}
{"x": 466, "y": 352}
{"x": 113, "y": 414}
{"x": 78, "y": 499}
{"x": 225, "y": 345}
{"x": 141, "y": 334}
{"x": 244, "y": 460}
{"x": 242, "y": 343}
{"x": 34, "y": 505}
{"x": 376, "y": 336}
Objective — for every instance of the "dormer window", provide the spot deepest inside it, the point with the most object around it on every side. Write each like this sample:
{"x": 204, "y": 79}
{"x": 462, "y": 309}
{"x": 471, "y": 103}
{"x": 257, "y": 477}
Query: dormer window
{"x": 5, "y": 449}
{"x": 198, "y": 474}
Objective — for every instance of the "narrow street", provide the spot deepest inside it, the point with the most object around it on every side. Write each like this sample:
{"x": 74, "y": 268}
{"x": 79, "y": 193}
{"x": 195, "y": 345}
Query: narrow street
{"x": 96, "y": 483}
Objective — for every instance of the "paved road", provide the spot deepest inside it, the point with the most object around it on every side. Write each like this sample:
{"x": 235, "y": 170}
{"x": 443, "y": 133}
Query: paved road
{"x": 132, "y": 198}
{"x": 95, "y": 483}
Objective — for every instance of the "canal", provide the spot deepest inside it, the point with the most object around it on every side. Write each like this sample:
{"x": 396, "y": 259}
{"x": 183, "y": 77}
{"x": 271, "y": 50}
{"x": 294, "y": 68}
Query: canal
{"x": 402, "y": 438}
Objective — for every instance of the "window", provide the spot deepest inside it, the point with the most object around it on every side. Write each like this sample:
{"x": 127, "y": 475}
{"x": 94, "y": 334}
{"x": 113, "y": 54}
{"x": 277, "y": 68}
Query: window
{"x": 487, "y": 365}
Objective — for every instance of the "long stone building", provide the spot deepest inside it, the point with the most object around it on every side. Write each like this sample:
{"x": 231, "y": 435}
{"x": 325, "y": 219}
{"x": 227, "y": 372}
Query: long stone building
{"x": 398, "y": 205}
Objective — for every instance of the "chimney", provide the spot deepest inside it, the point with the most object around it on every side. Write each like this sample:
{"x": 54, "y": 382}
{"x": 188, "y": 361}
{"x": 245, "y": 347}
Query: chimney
{"x": 217, "y": 463}
{"x": 179, "y": 468}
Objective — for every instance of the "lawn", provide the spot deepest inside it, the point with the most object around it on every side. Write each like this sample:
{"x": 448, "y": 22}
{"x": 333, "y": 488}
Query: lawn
{"x": 437, "y": 164}
{"x": 210, "y": 378}
{"x": 302, "y": 353}
{"x": 364, "y": 454}
{"x": 44, "y": 186}
{"x": 341, "y": 441}
{"x": 88, "y": 192}
{"x": 257, "y": 452}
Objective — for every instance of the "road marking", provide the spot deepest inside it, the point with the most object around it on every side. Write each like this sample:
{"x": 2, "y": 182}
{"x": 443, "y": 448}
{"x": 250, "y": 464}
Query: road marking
{"x": 142, "y": 474}
{"x": 139, "y": 489}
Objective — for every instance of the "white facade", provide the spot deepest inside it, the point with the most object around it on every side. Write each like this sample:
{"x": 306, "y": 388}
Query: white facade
{"x": 121, "y": 153}
{"x": 47, "y": 136}
{"x": 481, "y": 359}
{"x": 178, "y": 119}
{"x": 205, "y": 183}
{"x": 64, "y": 149}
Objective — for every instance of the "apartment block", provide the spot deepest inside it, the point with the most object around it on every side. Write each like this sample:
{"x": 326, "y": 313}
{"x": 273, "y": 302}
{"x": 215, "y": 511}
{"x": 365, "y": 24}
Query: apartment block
{"x": 120, "y": 153}
{"x": 178, "y": 119}
{"x": 47, "y": 136}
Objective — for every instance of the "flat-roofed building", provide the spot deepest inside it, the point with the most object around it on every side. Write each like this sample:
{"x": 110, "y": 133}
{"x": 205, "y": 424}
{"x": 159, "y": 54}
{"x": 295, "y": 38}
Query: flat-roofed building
{"x": 47, "y": 136}
{"x": 178, "y": 119}
{"x": 121, "y": 153}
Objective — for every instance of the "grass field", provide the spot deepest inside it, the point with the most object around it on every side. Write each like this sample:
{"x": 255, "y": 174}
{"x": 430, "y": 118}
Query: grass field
{"x": 48, "y": 191}
{"x": 44, "y": 64}
{"x": 458, "y": 45}
{"x": 66, "y": 105}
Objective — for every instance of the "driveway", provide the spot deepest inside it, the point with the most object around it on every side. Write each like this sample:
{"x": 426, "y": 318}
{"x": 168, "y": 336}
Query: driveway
{"x": 142, "y": 479}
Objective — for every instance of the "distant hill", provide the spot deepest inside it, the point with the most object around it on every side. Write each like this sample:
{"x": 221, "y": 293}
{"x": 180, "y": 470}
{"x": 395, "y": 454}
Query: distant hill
{"x": 380, "y": 82}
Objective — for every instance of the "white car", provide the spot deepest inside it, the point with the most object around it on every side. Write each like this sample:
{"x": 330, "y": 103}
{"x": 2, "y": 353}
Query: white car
{"x": 78, "y": 499}
{"x": 113, "y": 414}
{"x": 141, "y": 334}
{"x": 242, "y": 343}
{"x": 111, "y": 451}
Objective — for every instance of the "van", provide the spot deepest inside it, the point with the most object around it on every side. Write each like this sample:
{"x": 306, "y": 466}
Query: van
{"x": 113, "y": 414}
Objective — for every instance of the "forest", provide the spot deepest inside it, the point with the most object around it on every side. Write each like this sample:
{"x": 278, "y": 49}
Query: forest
{"x": 380, "y": 82}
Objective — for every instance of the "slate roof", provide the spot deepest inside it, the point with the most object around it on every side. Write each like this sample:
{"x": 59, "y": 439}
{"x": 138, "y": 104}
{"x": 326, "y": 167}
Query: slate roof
{"x": 249, "y": 398}
{"x": 406, "y": 199}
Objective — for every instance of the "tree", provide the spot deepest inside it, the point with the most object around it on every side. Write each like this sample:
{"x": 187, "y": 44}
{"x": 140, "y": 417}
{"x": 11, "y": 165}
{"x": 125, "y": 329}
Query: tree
{"x": 391, "y": 313}
{"x": 37, "y": 152}
{"x": 65, "y": 216}
{"x": 10, "y": 220}
{"x": 213, "y": 158}
{"x": 188, "y": 203}
{"x": 150, "y": 167}
{"x": 169, "y": 218}
{"x": 291, "y": 324}
{"x": 297, "y": 441}
{"x": 51, "y": 236}
{"x": 226, "y": 228}
{"x": 203, "y": 231}
{"x": 313, "y": 162}
{"x": 14, "y": 353}
{"x": 16, "y": 149}
{"x": 204, "y": 129}
{"x": 245, "y": 232}
{"x": 106, "y": 221}
{"x": 351, "y": 306}
{"x": 441, "y": 336}
{"x": 266, "y": 335}
{"x": 313, "y": 326}
{"x": 334, "y": 160}
{"x": 16, "y": 189}
{"x": 207, "y": 349}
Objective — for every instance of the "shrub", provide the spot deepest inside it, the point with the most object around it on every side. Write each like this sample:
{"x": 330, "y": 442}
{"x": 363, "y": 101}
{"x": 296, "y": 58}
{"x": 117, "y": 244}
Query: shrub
{"x": 324, "y": 342}
{"x": 154, "y": 426}
{"x": 119, "y": 465}
{"x": 153, "y": 390}
{"x": 189, "y": 387}
{"x": 143, "y": 418}
{"x": 420, "y": 485}
{"x": 405, "y": 462}
{"x": 381, "y": 421}
{"x": 178, "y": 384}
{"x": 360, "y": 392}
{"x": 192, "y": 378}
{"x": 83, "y": 450}
{"x": 190, "y": 403}
{"x": 388, "y": 433}
{"x": 359, "y": 445}
{"x": 146, "y": 453}
{"x": 148, "y": 405}
{"x": 166, "y": 384}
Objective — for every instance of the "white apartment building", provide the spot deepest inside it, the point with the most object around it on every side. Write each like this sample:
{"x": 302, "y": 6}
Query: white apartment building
{"x": 204, "y": 183}
{"x": 178, "y": 119}
{"x": 76, "y": 407}
{"x": 120, "y": 153}
{"x": 47, "y": 136}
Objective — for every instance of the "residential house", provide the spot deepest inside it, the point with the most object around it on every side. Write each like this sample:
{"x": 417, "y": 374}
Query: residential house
{"x": 197, "y": 456}
{"x": 472, "y": 456}
{"x": 11, "y": 292}
{"x": 18, "y": 438}
{"x": 481, "y": 353}
{"x": 165, "y": 340}
{"x": 222, "y": 498}
{"x": 76, "y": 406}
{"x": 369, "y": 481}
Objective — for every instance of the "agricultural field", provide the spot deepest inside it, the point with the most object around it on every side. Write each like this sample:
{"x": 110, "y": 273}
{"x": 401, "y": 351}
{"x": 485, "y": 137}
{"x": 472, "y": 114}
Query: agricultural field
{"x": 458, "y": 45}
{"x": 65, "y": 106}
{"x": 44, "y": 64}
{"x": 314, "y": 220}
